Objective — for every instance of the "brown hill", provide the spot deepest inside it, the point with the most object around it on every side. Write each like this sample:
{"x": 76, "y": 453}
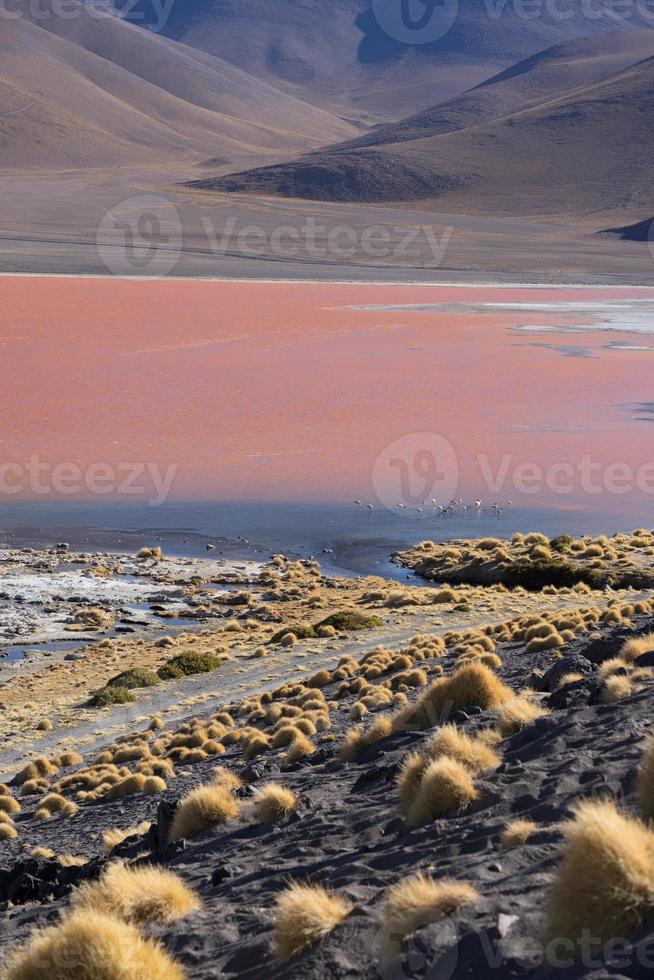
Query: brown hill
{"x": 94, "y": 90}
{"x": 585, "y": 150}
{"x": 334, "y": 53}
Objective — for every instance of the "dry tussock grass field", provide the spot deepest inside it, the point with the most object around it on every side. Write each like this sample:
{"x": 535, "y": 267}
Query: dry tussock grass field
{"x": 496, "y": 765}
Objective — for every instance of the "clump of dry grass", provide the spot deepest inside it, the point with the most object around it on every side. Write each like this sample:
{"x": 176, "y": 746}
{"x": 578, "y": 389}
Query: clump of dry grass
{"x": 473, "y": 683}
{"x": 67, "y": 759}
{"x": 298, "y": 749}
{"x": 153, "y": 785}
{"x": 9, "y": 805}
{"x": 615, "y": 688}
{"x": 202, "y": 808}
{"x": 112, "y": 838}
{"x": 636, "y": 647}
{"x": 65, "y": 860}
{"x": 224, "y": 777}
{"x": 473, "y": 753}
{"x": 516, "y": 714}
{"x": 419, "y": 900}
{"x": 304, "y": 915}
{"x": 138, "y": 895}
{"x": 36, "y": 769}
{"x": 356, "y": 739}
{"x": 445, "y": 788}
{"x": 550, "y": 642}
{"x": 409, "y": 778}
{"x": 127, "y": 786}
{"x": 7, "y": 832}
{"x": 517, "y": 832}
{"x": 90, "y": 946}
{"x": 274, "y": 802}
{"x": 605, "y": 883}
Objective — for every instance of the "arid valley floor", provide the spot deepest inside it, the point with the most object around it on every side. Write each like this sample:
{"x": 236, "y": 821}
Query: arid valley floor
{"x": 251, "y": 729}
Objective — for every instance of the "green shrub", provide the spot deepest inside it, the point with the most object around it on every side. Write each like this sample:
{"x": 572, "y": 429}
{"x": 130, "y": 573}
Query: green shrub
{"x": 562, "y": 543}
{"x": 137, "y": 677}
{"x": 110, "y": 695}
{"x": 351, "y": 619}
{"x": 186, "y": 664}
{"x": 534, "y": 575}
{"x": 303, "y": 631}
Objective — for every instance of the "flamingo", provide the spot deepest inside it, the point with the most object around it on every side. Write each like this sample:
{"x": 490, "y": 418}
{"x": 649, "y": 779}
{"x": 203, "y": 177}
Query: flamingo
{"x": 478, "y": 504}
{"x": 419, "y": 511}
{"x": 369, "y": 508}
{"x": 357, "y": 503}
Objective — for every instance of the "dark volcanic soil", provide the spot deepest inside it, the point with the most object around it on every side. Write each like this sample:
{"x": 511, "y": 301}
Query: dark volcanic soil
{"x": 350, "y": 835}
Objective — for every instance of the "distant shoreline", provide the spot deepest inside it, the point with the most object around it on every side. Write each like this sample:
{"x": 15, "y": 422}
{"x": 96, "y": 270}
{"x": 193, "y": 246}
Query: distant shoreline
{"x": 436, "y": 283}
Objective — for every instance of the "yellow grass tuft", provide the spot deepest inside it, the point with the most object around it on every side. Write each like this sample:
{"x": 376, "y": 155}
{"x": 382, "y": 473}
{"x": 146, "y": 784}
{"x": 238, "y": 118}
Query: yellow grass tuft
{"x": 112, "y": 838}
{"x": 631, "y": 649}
{"x": 274, "y": 802}
{"x": 409, "y": 778}
{"x": 299, "y": 747}
{"x": 153, "y": 785}
{"x": 138, "y": 895}
{"x": 7, "y": 831}
{"x": 517, "y": 832}
{"x": 69, "y": 759}
{"x": 9, "y": 805}
{"x": 473, "y": 753}
{"x": 419, "y": 900}
{"x": 304, "y": 915}
{"x": 226, "y": 778}
{"x": 471, "y": 684}
{"x": 445, "y": 788}
{"x": 204, "y": 807}
{"x": 538, "y": 643}
{"x": 34, "y": 770}
{"x": 356, "y": 738}
{"x": 605, "y": 883}
{"x": 89, "y": 946}
{"x": 615, "y": 688}
{"x": 516, "y": 714}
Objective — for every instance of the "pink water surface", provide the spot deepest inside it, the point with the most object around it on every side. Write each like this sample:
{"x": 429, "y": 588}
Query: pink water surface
{"x": 279, "y": 391}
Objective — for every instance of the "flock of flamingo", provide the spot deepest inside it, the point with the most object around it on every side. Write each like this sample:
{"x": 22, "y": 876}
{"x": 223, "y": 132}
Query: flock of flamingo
{"x": 433, "y": 508}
